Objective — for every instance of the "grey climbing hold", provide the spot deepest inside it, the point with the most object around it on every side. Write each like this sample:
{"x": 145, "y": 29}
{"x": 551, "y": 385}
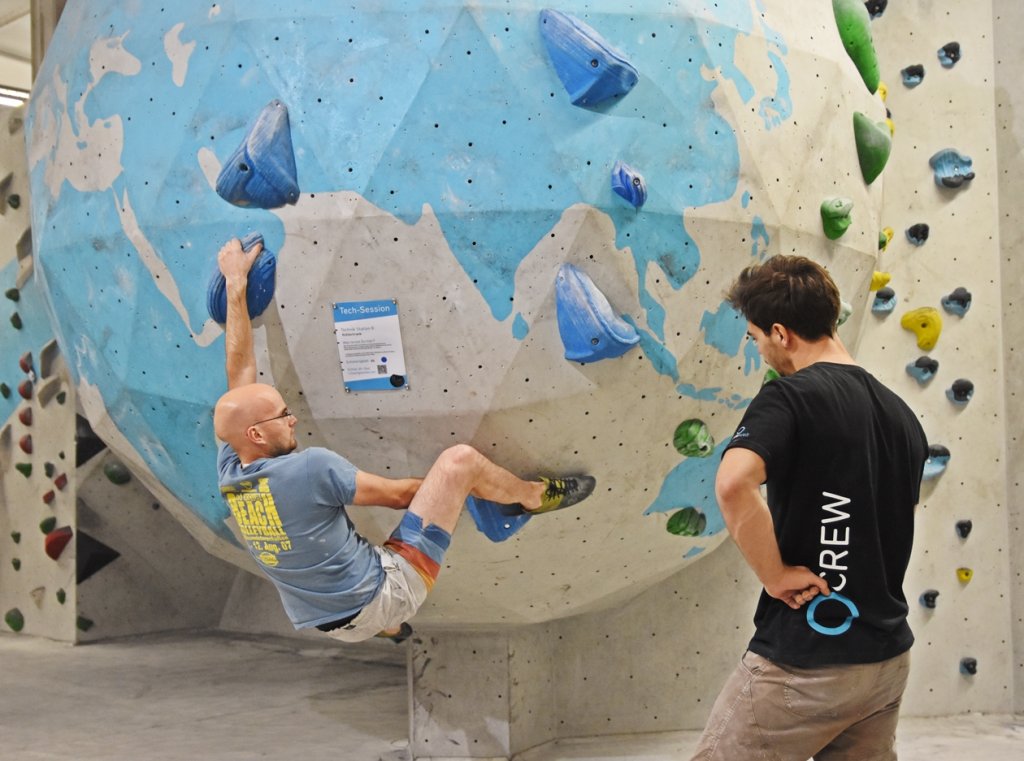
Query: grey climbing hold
{"x": 13, "y": 294}
{"x": 14, "y": 200}
{"x": 918, "y": 234}
{"x": 16, "y": 321}
{"x": 949, "y": 54}
{"x": 928, "y": 597}
{"x": 913, "y": 75}
{"x": 960, "y": 392}
{"x": 923, "y": 369}
{"x": 885, "y": 301}
{"x": 591, "y": 70}
{"x": 951, "y": 168}
{"x": 963, "y": 528}
{"x": 968, "y": 666}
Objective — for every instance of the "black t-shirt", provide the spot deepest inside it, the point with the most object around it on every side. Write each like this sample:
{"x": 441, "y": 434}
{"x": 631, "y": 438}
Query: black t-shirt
{"x": 844, "y": 457}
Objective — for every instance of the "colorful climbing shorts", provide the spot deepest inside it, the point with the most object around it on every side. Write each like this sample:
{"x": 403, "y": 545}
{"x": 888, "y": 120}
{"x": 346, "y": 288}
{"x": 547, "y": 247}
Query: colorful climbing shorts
{"x": 423, "y": 548}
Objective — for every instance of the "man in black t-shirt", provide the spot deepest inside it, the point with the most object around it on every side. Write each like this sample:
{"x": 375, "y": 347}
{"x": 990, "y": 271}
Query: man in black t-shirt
{"x": 842, "y": 458}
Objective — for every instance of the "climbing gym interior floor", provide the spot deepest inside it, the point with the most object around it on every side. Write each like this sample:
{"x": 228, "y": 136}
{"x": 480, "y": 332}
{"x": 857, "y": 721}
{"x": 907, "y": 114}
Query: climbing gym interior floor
{"x": 233, "y": 697}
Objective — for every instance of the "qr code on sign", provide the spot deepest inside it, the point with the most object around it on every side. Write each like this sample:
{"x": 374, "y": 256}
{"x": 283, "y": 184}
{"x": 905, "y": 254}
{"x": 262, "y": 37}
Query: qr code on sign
{"x": 382, "y": 369}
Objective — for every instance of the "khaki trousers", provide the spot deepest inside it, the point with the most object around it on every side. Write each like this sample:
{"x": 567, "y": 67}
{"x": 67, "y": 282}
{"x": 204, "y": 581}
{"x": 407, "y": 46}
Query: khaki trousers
{"x": 771, "y": 712}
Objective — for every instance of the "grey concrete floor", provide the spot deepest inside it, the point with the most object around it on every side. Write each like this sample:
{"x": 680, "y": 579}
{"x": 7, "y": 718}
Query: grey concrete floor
{"x": 234, "y": 697}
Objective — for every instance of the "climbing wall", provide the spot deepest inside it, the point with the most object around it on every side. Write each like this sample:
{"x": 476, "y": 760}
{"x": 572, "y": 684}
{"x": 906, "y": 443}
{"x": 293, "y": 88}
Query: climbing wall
{"x": 1009, "y": 57}
{"x": 37, "y": 410}
{"x": 657, "y": 662}
{"x": 944, "y": 173}
{"x": 458, "y": 190}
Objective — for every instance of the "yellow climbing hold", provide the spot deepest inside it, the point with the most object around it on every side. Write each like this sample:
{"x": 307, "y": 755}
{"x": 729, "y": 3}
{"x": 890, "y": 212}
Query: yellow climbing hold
{"x": 880, "y": 280}
{"x": 926, "y": 324}
{"x": 964, "y": 574}
{"x": 891, "y": 125}
{"x": 883, "y": 91}
{"x": 885, "y": 238}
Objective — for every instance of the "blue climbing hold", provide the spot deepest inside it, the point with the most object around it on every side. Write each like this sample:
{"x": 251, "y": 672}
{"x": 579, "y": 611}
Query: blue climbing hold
{"x": 923, "y": 369}
{"x": 957, "y": 302}
{"x": 960, "y": 392}
{"x": 876, "y": 7}
{"x": 590, "y": 69}
{"x": 952, "y": 169}
{"x": 913, "y": 75}
{"x": 968, "y": 666}
{"x": 938, "y": 458}
{"x": 588, "y": 325}
{"x": 261, "y": 171}
{"x": 928, "y": 598}
{"x": 493, "y": 520}
{"x": 885, "y": 301}
{"x": 260, "y": 289}
{"x": 949, "y": 54}
{"x": 629, "y": 184}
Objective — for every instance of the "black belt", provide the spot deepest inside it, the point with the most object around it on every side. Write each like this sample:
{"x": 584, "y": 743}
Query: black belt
{"x": 330, "y": 626}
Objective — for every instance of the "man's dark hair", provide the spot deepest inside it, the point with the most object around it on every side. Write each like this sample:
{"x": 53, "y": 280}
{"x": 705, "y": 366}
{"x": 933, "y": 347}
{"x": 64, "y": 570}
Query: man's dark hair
{"x": 790, "y": 290}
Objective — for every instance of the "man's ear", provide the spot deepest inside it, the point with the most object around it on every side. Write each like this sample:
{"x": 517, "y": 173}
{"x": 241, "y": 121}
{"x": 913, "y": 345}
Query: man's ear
{"x": 254, "y": 435}
{"x": 784, "y": 334}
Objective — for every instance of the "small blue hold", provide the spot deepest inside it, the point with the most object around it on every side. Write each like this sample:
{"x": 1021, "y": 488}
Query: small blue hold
{"x": 913, "y": 75}
{"x": 590, "y": 69}
{"x": 952, "y": 169}
{"x": 918, "y": 234}
{"x": 876, "y": 7}
{"x": 960, "y": 392}
{"x": 923, "y": 369}
{"x": 958, "y": 302}
{"x": 629, "y": 184}
{"x": 885, "y": 301}
{"x": 938, "y": 457}
{"x": 588, "y": 325}
{"x": 260, "y": 288}
{"x": 968, "y": 666}
{"x": 949, "y": 54}
{"x": 261, "y": 171}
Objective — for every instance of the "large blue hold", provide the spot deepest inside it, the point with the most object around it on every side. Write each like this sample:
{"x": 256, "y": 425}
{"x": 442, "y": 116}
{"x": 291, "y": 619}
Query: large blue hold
{"x": 261, "y": 171}
{"x": 259, "y": 291}
{"x": 496, "y": 522}
{"x": 589, "y": 327}
{"x": 590, "y": 69}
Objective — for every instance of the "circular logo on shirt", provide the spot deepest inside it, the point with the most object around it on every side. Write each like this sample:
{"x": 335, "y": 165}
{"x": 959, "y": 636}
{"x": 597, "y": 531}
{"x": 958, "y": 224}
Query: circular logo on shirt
{"x": 268, "y": 558}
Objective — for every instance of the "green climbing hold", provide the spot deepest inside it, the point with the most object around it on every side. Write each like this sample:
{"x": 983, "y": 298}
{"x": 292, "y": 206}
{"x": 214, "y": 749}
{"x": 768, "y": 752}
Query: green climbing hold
{"x": 693, "y": 439}
{"x": 16, "y": 536}
{"x": 62, "y": 596}
{"x": 16, "y": 321}
{"x": 46, "y": 525}
{"x": 13, "y": 294}
{"x": 854, "y": 25}
{"x": 14, "y": 200}
{"x": 84, "y": 624}
{"x": 14, "y": 619}
{"x": 873, "y": 146}
{"x": 687, "y": 522}
{"x": 835, "y": 216}
{"x": 25, "y": 468}
{"x": 62, "y": 397}
{"x": 117, "y": 472}
{"x": 769, "y": 375}
{"x": 49, "y": 468}
{"x": 16, "y": 564}
{"x": 5, "y": 391}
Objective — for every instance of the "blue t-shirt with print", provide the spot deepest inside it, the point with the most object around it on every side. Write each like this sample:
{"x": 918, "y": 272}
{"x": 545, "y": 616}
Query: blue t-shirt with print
{"x": 291, "y": 513}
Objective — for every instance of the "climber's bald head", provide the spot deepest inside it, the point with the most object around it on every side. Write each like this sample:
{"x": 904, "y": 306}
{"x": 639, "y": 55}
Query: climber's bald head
{"x": 237, "y": 419}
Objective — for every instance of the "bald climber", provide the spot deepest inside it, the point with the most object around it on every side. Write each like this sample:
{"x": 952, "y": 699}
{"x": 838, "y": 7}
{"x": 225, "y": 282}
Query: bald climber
{"x": 291, "y": 506}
